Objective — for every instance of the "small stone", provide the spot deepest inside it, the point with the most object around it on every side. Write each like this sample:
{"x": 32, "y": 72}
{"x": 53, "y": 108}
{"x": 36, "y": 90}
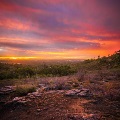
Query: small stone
{"x": 41, "y": 85}
{"x": 38, "y": 110}
{"x": 17, "y": 98}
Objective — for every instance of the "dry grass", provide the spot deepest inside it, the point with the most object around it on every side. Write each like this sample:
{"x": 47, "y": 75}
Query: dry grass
{"x": 22, "y": 90}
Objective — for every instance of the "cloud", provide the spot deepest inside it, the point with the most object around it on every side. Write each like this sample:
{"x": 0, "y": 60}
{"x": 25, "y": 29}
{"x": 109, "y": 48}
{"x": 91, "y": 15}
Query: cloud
{"x": 60, "y": 25}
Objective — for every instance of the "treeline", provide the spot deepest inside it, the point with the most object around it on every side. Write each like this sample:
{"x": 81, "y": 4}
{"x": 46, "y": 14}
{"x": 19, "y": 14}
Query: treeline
{"x": 109, "y": 62}
{"x": 18, "y": 71}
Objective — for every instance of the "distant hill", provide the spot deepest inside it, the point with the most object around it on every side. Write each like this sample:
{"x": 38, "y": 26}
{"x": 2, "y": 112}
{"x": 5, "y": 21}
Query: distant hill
{"x": 109, "y": 62}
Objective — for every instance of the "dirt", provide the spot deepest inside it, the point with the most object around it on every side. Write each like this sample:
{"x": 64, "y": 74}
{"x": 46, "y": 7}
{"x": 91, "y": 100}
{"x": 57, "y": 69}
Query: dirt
{"x": 50, "y": 106}
{"x": 54, "y": 105}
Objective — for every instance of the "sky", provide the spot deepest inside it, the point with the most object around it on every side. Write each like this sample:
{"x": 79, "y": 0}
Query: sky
{"x": 59, "y": 29}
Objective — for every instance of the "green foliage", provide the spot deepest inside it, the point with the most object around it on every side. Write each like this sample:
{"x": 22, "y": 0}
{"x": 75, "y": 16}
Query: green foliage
{"x": 57, "y": 70}
{"x": 25, "y": 72}
{"x": 115, "y": 59}
{"x": 13, "y": 71}
{"x": 100, "y": 63}
{"x": 25, "y": 89}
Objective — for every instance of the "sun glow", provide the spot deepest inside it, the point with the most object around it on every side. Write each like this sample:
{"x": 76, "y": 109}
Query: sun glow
{"x": 16, "y": 58}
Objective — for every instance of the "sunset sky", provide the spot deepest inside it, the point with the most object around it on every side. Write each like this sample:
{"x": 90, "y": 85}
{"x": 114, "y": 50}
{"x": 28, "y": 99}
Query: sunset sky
{"x": 59, "y": 29}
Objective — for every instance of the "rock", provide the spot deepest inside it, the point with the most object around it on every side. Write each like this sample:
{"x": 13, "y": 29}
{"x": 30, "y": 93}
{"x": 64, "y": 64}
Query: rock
{"x": 75, "y": 117}
{"x": 37, "y": 94}
{"x": 7, "y": 89}
{"x": 70, "y": 93}
{"x": 25, "y": 99}
{"x": 19, "y": 100}
{"x": 41, "y": 85}
{"x": 22, "y": 101}
{"x": 79, "y": 117}
{"x": 10, "y": 87}
{"x": 60, "y": 91}
{"x": 31, "y": 97}
{"x": 84, "y": 93}
{"x": 38, "y": 110}
{"x": 92, "y": 117}
{"x": 78, "y": 92}
{"x": 34, "y": 94}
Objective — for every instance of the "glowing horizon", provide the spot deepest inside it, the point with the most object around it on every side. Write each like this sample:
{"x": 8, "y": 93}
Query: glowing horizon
{"x": 16, "y": 58}
{"x": 42, "y": 29}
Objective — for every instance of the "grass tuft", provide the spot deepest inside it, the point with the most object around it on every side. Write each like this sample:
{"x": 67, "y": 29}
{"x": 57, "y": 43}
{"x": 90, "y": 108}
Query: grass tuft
{"x": 22, "y": 90}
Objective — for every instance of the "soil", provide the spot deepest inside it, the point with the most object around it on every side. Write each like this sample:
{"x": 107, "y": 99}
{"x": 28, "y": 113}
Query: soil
{"x": 54, "y": 105}
{"x": 50, "y": 106}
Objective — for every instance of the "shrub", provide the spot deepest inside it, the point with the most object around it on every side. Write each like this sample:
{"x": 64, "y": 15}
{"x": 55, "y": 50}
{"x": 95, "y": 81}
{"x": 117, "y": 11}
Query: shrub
{"x": 25, "y": 89}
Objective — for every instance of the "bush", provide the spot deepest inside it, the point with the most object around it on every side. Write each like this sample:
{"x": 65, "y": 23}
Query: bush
{"x": 25, "y": 89}
{"x": 56, "y": 70}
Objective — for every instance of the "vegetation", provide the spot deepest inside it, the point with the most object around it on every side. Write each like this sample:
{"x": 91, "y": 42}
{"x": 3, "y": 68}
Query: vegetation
{"x": 13, "y": 71}
{"x": 22, "y": 90}
{"x": 18, "y": 71}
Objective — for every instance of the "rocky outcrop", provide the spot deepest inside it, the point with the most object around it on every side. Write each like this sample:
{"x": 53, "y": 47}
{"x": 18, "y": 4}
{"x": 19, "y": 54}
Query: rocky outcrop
{"x": 20, "y": 100}
{"x": 81, "y": 92}
{"x": 25, "y": 99}
{"x": 78, "y": 92}
{"x": 7, "y": 89}
{"x": 34, "y": 94}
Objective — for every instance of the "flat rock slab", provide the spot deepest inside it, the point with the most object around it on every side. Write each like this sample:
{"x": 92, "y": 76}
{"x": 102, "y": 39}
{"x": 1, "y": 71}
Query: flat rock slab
{"x": 25, "y": 99}
{"x": 7, "y": 89}
{"x": 34, "y": 94}
{"x": 20, "y": 100}
{"x": 78, "y": 92}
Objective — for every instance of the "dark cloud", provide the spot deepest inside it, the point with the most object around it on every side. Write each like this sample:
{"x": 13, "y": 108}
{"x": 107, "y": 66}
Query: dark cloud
{"x": 23, "y": 46}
